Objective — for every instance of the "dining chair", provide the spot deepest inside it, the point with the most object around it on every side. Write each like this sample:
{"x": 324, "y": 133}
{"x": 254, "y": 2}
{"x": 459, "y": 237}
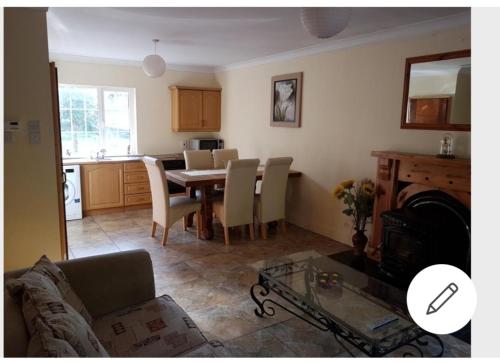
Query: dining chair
{"x": 221, "y": 157}
{"x": 198, "y": 160}
{"x": 236, "y": 206}
{"x": 168, "y": 210}
{"x": 270, "y": 203}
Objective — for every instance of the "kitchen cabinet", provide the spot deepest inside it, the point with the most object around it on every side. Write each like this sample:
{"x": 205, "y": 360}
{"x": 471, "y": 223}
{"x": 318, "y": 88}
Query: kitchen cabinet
{"x": 109, "y": 185}
{"x": 195, "y": 109}
{"x": 136, "y": 184}
{"x": 102, "y": 185}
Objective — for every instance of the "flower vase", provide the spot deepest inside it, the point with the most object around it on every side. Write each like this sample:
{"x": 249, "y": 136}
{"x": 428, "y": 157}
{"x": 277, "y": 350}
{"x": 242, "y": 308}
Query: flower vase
{"x": 359, "y": 241}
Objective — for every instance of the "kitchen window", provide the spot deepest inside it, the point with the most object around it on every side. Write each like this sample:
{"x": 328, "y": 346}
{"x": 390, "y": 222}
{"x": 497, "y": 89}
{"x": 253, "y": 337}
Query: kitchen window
{"x": 97, "y": 118}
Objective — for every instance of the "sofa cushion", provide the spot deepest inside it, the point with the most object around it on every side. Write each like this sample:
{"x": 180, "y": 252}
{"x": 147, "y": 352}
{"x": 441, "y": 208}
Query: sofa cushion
{"x": 157, "y": 328}
{"x": 45, "y": 311}
{"x": 44, "y": 344}
{"x": 54, "y": 277}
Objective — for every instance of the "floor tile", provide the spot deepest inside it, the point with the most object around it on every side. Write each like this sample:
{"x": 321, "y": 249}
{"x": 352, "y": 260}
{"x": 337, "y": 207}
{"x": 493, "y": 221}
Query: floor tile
{"x": 258, "y": 344}
{"x": 305, "y": 340}
{"x": 90, "y": 251}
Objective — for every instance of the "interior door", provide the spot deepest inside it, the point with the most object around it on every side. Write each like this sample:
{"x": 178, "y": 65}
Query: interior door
{"x": 54, "y": 89}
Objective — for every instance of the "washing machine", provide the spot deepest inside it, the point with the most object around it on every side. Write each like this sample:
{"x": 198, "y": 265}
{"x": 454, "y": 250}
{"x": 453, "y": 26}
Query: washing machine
{"x": 72, "y": 192}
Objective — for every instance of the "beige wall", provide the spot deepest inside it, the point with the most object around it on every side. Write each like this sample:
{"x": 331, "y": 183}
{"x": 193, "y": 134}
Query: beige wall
{"x": 351, "y": 106}
{"x": 154, "y": 135}
{"x": 31, "y": 217}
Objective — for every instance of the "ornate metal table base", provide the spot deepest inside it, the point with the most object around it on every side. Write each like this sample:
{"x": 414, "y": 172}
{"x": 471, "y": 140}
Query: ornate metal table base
{"x": 414, "y": 339}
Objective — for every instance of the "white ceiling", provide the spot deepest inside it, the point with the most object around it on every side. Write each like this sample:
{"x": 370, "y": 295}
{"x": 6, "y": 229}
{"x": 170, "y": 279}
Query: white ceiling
{"x": 208, "y": 39}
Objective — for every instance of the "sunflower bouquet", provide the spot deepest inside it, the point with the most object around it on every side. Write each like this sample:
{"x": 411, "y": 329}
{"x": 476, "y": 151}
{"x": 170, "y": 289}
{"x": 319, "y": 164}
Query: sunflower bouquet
{"x": 359, "y": 200}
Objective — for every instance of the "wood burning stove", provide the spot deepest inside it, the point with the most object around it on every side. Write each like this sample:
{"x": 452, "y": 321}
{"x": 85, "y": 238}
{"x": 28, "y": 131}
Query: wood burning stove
{"x": 431, "y": 228}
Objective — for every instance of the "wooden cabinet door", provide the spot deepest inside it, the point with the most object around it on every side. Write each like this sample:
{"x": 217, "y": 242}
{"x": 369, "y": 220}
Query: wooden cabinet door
{"x": 211, "y": 110}
{"x": 102, "y": 186}
{"x": 429, "y": 110}
{"x": 190, "y": 109}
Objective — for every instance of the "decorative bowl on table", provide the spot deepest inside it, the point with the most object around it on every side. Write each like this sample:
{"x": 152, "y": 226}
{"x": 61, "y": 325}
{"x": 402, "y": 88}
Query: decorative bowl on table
{"x": 331, "y": 281}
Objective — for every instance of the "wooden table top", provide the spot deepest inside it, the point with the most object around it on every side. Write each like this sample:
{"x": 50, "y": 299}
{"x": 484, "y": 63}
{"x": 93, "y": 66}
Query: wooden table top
{"x": 181, "y": 178}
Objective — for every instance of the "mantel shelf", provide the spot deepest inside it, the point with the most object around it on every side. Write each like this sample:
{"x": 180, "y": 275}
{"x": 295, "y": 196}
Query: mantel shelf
{"x": 422, "y": 158}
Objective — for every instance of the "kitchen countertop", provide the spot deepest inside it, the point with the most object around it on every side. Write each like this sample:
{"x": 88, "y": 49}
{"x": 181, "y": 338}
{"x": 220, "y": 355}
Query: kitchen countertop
{"x": 119, "y": 159}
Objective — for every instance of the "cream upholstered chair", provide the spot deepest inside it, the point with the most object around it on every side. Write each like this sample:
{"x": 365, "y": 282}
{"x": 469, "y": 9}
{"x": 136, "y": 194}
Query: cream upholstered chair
{"x": 167, "y": 210}
{"x": 221, "y": 157}
{"x": 198, "y": 160}
{"x": 236, "y": 208}
{"x": 270, "y": 204}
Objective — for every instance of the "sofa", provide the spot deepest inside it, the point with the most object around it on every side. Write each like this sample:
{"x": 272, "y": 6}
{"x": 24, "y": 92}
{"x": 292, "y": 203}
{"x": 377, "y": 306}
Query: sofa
{"x": 114, "y": 286}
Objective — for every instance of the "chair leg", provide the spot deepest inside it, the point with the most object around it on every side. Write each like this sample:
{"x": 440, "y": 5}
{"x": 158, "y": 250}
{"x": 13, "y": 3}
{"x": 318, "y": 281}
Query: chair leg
{"x": 185, "y": 223}
{"x": 250, "y": 229}
{"x": 263, "y": 230}
{"x": 283, "y": 226}
{"x": 226, "y": 235}
{"x": 164, "y": 239}
{"x": 198, "y": 224}
{"x": 153, "y": 229}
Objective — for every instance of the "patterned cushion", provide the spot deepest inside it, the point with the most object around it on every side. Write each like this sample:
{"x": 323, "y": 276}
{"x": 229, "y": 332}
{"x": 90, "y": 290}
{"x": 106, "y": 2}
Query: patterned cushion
{"x": 44, "y": 344}
{"x": 45, "y": 311}
{"x": 157, "y": 328}
{"x": 56, "y": 278}
{"x": 30, "y": 279}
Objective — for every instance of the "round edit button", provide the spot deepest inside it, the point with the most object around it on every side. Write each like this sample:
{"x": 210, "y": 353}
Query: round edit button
{"x": 441, "y": 299}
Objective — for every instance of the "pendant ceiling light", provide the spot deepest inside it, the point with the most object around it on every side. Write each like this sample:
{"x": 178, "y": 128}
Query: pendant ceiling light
{"x": 153, "y": 65}
{"x": 325, "y": 22}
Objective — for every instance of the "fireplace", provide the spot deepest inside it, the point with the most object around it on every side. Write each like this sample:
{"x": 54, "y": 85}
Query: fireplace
{"x": 430, "y": 228}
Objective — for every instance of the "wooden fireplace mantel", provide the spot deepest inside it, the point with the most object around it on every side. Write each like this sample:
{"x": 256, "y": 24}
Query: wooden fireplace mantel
{"x": 401, "y": 175}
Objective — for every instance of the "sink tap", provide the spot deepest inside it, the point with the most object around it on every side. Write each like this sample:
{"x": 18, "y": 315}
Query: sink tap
{"x": 101, "y": 154}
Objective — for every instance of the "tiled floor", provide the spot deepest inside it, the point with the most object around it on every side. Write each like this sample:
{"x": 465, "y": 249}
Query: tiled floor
{"x": 212, "y": 281}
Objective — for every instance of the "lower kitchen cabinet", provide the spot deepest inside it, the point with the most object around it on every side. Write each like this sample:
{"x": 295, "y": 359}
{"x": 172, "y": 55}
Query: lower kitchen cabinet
{"x": 136, "y": 180}
{"x": 102, "y": 186}
{"x": 113, "y": 185}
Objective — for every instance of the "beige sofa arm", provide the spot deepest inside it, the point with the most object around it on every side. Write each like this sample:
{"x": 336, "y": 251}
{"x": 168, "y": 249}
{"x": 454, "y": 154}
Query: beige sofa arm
{"x": 109, "y": 282}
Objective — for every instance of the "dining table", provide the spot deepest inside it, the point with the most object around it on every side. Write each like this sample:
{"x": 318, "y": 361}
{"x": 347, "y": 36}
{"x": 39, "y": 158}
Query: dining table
{"x": 205, "y": 180}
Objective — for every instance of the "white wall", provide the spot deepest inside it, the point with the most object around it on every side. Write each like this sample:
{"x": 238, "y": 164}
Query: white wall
{"x": 154, "y": 134}
{"x": 31, "y": 214}
{"x": 352, "y": 101}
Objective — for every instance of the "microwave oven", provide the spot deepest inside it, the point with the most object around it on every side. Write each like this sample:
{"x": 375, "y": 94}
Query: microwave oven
{"x": 205, "y": 144}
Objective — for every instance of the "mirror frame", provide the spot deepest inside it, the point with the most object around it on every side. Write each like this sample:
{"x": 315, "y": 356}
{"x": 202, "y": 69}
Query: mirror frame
{"x": 423, "y": 59}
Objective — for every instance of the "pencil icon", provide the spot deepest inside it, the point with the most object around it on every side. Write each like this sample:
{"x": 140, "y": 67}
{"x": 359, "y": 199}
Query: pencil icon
{"x": 442, "y": 298}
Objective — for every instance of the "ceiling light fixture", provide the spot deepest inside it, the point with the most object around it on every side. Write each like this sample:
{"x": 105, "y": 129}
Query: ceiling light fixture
{"x": 153, "y": 65}
{"x": 325, "y": 22}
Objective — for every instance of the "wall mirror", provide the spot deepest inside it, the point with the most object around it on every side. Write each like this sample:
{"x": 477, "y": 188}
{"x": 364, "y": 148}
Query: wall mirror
{"x": 437, "y": 92}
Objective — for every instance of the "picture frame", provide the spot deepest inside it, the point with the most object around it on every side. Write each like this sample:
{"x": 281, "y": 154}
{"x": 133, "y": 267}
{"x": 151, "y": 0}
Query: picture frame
{"x": 286, "y": 100}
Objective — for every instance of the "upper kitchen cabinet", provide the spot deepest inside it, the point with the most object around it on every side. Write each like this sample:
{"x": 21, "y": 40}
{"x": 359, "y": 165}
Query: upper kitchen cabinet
{"x": 195, "y": 109}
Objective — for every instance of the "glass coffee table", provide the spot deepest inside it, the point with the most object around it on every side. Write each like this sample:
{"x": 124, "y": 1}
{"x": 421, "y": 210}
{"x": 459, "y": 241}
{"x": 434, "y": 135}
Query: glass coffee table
{"x": 358, "y": 309}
